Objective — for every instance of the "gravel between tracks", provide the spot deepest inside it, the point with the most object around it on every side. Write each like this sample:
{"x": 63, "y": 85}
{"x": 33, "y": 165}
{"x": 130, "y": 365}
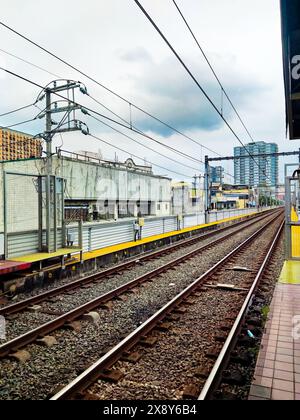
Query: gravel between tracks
{"x": 21, "y": 323}
{"x": 48, "y": 368}
{"x": 70, "y": 279}
{"x": 165, "y": 369}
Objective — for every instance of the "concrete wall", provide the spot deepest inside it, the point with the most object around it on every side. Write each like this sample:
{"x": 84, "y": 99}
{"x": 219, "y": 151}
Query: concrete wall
{"x": 84, "y": 181}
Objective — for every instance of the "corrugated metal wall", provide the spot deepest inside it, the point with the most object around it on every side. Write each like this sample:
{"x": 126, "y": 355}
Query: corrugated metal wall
{"x": 100, "y": 235}
{"x": 26, "y": 243}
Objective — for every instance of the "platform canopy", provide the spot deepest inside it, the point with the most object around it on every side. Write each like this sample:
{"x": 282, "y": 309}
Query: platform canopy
{"x": 290, "y": 22}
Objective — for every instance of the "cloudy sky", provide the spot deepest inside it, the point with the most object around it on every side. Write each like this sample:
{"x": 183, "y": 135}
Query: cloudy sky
{"x": 112, "y": 41}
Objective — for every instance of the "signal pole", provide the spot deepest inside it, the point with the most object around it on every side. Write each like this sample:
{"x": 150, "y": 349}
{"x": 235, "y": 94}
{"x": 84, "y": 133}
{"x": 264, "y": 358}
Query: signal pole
{"x": 206, "y": 191}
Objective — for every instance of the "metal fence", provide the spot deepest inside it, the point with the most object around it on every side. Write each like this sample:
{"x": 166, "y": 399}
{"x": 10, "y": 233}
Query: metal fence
{"x": 103, "y": 234}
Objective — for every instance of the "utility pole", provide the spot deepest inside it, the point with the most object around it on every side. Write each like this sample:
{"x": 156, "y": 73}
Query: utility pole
{"x": 48, "y": 139}
{"x": 71, "y": 125}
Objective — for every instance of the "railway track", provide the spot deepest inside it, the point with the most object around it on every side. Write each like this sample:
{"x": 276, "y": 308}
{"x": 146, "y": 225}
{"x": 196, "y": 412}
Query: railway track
{"x": 69, "y": 316}
{"x": 204, "y": 292}
{"x": 19, "y": 306}
{"x": 75, "y": 350}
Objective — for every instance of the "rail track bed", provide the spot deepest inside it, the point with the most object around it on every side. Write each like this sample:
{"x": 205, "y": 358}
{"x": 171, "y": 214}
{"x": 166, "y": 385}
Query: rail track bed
{"x": 68, "y": 283}
{"x": 77, "y": 348}
{"x": 30, "y": 313}
{"x": 183, "y": 341}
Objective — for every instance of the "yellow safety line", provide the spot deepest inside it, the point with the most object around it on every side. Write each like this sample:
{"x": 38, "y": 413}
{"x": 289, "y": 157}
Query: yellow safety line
{"x": 122, "y": 246}
{"x": 295, "y": 234}
{"x": 41, "y": 256}
{"x": 126, "y": 245}
{"x": 290, "y": 273}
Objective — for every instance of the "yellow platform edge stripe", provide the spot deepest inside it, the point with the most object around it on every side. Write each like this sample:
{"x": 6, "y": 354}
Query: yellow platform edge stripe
{"x": 290, "y": 273}
{"x": 88, "y": 255}
{"x": 41, "y": 256}
{"x": 295, "y": 234}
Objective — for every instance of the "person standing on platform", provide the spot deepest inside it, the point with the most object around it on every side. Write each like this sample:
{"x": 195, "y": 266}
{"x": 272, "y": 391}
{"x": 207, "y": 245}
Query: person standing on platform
{"x": 136, "y": 228}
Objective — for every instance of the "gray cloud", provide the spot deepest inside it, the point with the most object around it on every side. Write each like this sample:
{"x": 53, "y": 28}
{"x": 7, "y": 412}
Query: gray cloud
{"x": 169, "y": 93}
{"x": 137, "y": 54}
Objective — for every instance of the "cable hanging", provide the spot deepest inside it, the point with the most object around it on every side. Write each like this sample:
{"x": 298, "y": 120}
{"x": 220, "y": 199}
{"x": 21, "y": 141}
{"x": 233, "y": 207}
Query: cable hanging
{"x": 106, "y": 88}
{"x": 223, "y": 91}
{"x": 195, "y": 80}
{"x": 138, "y": 157}
{"x": 17, "y": 110}
{"x": 84, "y": 108}
{"x": 141, "y": 144}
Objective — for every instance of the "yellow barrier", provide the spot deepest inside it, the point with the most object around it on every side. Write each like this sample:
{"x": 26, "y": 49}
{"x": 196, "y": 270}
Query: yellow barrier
{"x": 295, "y": 234}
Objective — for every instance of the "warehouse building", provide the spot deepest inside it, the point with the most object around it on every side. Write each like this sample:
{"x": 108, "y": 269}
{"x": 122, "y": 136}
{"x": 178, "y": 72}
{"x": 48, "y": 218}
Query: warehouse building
{"x": 92, "y": 191}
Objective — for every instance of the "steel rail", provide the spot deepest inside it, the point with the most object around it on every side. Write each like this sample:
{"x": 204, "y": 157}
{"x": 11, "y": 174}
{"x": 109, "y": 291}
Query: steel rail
{"x": 89, "y": 376}
{"x": 50, "y": 326}
{"x": 116, "y": 269}
{"x": 214, "y": 379}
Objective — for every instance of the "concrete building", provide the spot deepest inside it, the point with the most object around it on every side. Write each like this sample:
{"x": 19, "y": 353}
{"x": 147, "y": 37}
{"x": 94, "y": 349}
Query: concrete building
{"x": 99, "y": 191}
{"x": 16, "y": 145}
{"x": 187, "y": 198}
{"x": 231, "y": 197}
{"x": 217, "y": 174}
{"x": 247, "y": 172}
{"x": 280, "y": 193}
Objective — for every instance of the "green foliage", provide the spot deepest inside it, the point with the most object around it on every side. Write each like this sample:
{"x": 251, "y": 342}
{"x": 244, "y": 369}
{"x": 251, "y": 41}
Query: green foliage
{"x": 265, "y": 312}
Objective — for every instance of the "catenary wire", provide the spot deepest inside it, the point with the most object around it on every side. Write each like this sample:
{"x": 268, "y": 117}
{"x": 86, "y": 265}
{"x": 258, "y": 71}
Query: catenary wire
{"x": 141, "y": 144}
{"x": 212, "y": 69}
{"x": 195, "y": 80}
{"x": 182, "y": 154}
{"x": 138, "y": 157}
{"x": 106, "y": 88}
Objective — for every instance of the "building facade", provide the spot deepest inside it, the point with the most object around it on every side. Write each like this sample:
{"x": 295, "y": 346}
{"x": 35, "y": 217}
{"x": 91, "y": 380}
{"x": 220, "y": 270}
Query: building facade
{"x": 262, "y": 173}
{"x": 216, "y": 174}
{"x": 92, "y": 191}
{"x": 231, "y": 197}
{"x": 15, "y": 145}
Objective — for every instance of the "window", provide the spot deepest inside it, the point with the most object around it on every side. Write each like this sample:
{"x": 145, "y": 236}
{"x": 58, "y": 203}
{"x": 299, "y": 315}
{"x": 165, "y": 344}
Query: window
{"x": 158, "y": 206}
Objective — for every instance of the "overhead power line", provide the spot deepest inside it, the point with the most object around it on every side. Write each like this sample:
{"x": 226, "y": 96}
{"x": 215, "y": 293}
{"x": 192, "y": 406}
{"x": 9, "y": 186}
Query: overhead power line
{"x": 137, "y": 130}
{"x": 131, "y": 104}
{"x": 142, "y": 133}
{"x": 195, "y": 80}
{"x": 23, "y": 122}
{"x": 182, "y": 154}
{"x": 95, "y": 100}
{"x": 139, "y": 157}
{"x": 19, "y": 123}
{"x": 212, "y": 69}
{"x": 61, "y": 96}
{"x": 29, "y": 62}
{"x": 17, "y": 110}
{"x": 141, "y": 144}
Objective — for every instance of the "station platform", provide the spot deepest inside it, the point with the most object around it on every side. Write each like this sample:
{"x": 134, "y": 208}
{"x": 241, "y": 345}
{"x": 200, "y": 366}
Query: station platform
{"x": 127, "y": 245}
{"x": 89, "y": 255}
{"x": 9, "y": 266}
{"x": 277, "y": 373}
{"x": 42, "y": 256}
